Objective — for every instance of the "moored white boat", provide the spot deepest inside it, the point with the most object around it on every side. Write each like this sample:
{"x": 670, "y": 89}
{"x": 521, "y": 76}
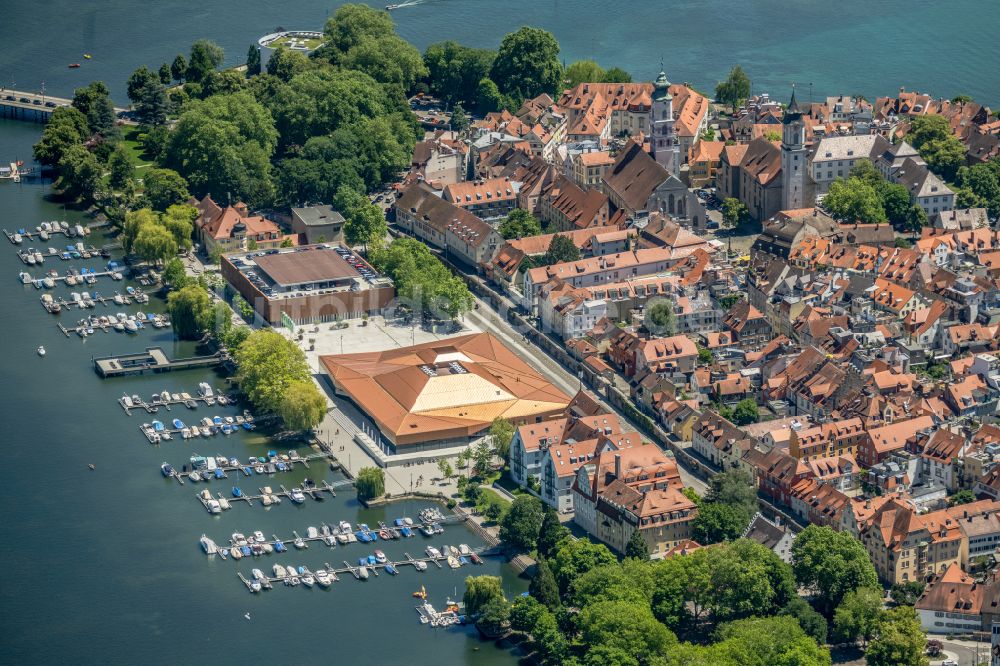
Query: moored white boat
{"x": 208, "y": 545}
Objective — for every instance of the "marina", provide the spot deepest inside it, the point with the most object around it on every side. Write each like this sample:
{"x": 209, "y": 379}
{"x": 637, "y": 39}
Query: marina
{"x": 366, "y": 567}
{"x": 201, "y": 469}
{"x": 45, "y": 230}
{"x": 84, "y": 300}
{"x": 267, "y": 497}
{"x": 205, "y": 394}
{"x": 72, "y": 277}
{"x": 331, "y": 535}
{"x": 154, "y": 359}
{"x": 119, "y": 323}
{"x": 33, "y": 257}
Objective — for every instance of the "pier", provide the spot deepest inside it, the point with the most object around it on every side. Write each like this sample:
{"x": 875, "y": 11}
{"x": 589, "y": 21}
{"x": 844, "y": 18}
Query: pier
{"x": 31, "y": 235}
{"x": 268, "y": 468}
{"x": 154, "y": 359}
{"x": 269, "y": 580}
{"x": 130, "y": 402}
{"x": 93, "y": 326}
{"x": 31, "y": 258}
{"x": 38, "y": 107}
{"x": 80, "y": 276}
{"x": 269, "y": 498}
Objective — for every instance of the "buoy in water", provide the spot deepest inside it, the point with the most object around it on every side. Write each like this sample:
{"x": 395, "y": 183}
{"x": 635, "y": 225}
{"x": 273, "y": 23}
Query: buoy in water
{"x": 92, "y": 466}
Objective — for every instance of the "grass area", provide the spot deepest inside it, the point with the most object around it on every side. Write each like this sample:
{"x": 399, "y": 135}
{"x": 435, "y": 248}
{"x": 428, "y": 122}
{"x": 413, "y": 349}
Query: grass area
{"x": 508, "y": 484}
{"x": 308, "y": 42}
{"x": 130, "y": 139}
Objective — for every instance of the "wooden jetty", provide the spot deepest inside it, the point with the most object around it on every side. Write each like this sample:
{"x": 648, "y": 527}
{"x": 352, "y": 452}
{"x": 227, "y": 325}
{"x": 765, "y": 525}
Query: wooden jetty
{"x": 154, "y": 359}
{"x": 107, "y": 328}
{"x": 269, "y": 581}
{"x": 36, "y": 233}
{"x": 269, "y": 469}
{"x": 315, "y": 492}
{"x": 81, "y": 276}
{"x": 185, "y": 399}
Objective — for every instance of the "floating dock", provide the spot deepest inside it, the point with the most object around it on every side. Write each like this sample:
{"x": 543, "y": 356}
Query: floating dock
{"x": 320, "y": 539}
{"x": 93, "y": 326}
{"x": 269, "y": 468}
{"x": 315, "y": 492}
{"x": 269, "y": 581}
{"x": 186, "y": 399}
{"x": 154, "y": 359}
{"x": 32, "y": 235}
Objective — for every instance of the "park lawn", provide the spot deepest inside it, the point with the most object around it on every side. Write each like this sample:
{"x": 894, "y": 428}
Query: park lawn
{"x": 508, "y": 484}
{"x": 130, "y": 139}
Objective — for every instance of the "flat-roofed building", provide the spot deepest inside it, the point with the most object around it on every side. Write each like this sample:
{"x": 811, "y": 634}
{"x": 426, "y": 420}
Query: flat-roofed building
{"x": 319, "y": 224}
{"x": 313, "y": 283}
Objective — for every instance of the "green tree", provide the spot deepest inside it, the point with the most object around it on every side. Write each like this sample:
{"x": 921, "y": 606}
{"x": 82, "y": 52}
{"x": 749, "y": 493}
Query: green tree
{"x": 482, "y": 456}
{"x": 813, "y": 623}
{"x": 253, "y": 60}
{"x": 617, "y": 75}
{"x": 583, "y": 71}
{"x": 916, "y": 219}
{"x": 858, "y": 615}
{"x": 164, "y": 187}
{"x": 734, "y": 211}
{"x": 501, "y": 436}
{"x": 704, "y": 355}
{"x": 121, "y": 167}
{"x": 561, "y": 249}
{"x": 551, "y": 644}
{"x": 365, "y": 225}
{"x": 189, "y": 309}
{"x": 480, "y": 590}
{"x": 735, "y": 89}
{"x": 268, "y": 363}
{"x": 525, "y": 613}
{"x": 178, "y": 68}
{"x": 627, "y": 627}
{"x": 899, "y": 640}
{"x": 223, "y": 145}
{"x": 285, "y": 64}
{"x": 206, "y": 57}
{"x": 550, "y": 533}
{"x": 520, "y": 224}
{"x": 527, "y": 64}
{"x": 660, "y": 318}
{"x": 67, "y": 127}
{"x": 746, "y": 412}
{"x": 422, "y": 280}
{"x": 631, "y": 581}
{"x": 574, "y": 557}
{"x": 94, "y": 102}
{"x": 445, "y": 468}
{"x": 370, "y": 483}
{"x": 179, "y": 219}
{"x": 772, "y": 135}
{"x": 831, "y": 564}
{"x": 521, "y": 524}
{"x": 174, "y": 273}
{"x": 543, "y": 585}
{"x": 164, "y": 73}
{"x": 303, "y": 405}
{"x": 636, "y": 547}
{"x": 454, "y": 71}
{"x": 351, "y": 25}
{"x": 389, "y": 60}
{"x": 152, "y": 104}
{"x": 79, "y": 173}
{"x": 154, "y": 242}
{"x": 854, "y": 200}
{"x": 488, "y": 97}
{"x": 139, "y": 79}
{"x": 895, "y": 203}
{"x": 494, "y": 618}
{"x": 961, "y": 497}
{"x": 931, "y": 136}
{"x": 494, "y": 512}
{"x": 459, "y": 119}
{"x": 766, "y": 641}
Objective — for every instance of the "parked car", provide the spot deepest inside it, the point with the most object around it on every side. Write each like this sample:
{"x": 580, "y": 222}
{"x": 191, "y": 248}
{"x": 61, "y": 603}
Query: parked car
{"x": 51, "y": 105}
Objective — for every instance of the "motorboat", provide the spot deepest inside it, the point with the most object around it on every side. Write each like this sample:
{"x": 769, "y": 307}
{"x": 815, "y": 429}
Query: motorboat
{"x": 420, "y": 565}
{"x": 323, "y": 578}
{"x": 17, "y": 239}
{"x": 312, "y": 532}
{"x": 475, "y": 558}
{"x": 214, "y": 506}
{"x": 223, "y": 553}
{"x": 293, "y": 581}
{"x": 24, "y": 277}
{"x": 343, "y": 538}
{"x": 297, "y": 496}
{"x": 432, "y": 552}
{"x": 167, "y": 470}
{"x": 427, "y": 531}
{"x": 380, "y": 557}
{"x": 300, "y": 543}
{"x": 279, "y": 571}
{"x": 205, "y": 390}
{"x": 454, "y": 551}
{"x": 208, "y": 545}
{"x": 453, "y": 562}
{"x": 307, "y": 577}
{"x": 237, "y": 492}
{"x": 363, "y": 572}
{"x": 463, "y": 549}
{"x": 238, "y": 539}
{"x": 279, "y": 546}
{"x": 41, "y": 350}
{"x": 258, "y": 536}
{"x": 391, "y": 570}
{"x": 178, "y": 424}
{"x": 258, "y": 574}
{"x": 48, "y": 282}
{"x": 131, "y": 326}
{"x": 236, "y": 553}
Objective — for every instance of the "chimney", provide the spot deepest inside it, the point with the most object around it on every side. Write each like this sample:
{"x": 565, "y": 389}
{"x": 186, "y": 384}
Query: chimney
{"x": 618, "y": 466}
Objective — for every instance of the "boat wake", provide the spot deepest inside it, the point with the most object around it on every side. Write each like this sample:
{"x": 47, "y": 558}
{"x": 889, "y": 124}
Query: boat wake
{"x": 401, "y": 5}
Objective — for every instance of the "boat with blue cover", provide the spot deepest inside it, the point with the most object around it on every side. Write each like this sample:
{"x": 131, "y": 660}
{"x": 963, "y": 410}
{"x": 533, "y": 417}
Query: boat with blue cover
{"x": 237, "y": 492}
{"x": 178, "y": 424}
{"x": 391, "y": 569}
{"x": 279, "y": 546}
{"x": 167, "y": 470}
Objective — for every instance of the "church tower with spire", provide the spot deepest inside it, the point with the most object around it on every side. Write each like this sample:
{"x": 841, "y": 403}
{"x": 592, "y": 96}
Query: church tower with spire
{"x": 794, "y": 170}
{"x": 666, "y": 149}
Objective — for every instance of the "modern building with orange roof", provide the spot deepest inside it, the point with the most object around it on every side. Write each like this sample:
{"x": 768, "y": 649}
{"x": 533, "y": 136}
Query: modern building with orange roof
{"x": 443, "y": 393}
